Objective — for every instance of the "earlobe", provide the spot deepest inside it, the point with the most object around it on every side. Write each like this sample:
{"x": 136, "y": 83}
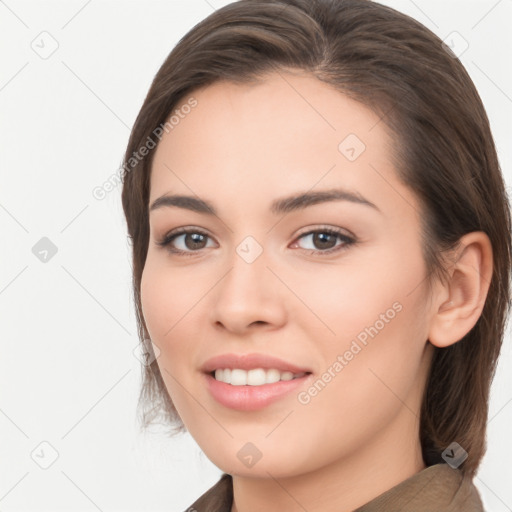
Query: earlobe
{"x": 466, "y": 288}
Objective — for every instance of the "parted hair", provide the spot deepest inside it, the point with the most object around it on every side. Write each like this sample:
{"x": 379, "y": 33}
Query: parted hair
{"x": 444, "y": 151}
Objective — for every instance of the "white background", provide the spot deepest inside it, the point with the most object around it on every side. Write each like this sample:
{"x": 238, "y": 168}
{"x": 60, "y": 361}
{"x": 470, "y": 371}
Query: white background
{"x": 68, "y": 375}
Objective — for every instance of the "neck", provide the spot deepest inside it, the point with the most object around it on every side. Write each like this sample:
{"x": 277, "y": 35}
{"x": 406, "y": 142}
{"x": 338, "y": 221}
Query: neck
{"x": 348, "y": 483}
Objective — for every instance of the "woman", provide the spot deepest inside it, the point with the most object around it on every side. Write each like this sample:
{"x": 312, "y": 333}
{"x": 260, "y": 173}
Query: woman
{"x": 321, "y": 257}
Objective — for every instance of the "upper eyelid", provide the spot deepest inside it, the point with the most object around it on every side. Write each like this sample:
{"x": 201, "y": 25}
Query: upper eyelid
{"x": 304, "y": 231}
{"x": 338, "y": 231}
{"x": 186, "y": 229}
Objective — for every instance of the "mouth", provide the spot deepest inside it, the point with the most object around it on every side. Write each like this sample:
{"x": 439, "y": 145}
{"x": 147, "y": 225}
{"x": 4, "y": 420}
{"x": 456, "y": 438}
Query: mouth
{"x": 249, "y": 382}
{"x": 254, "y": 377}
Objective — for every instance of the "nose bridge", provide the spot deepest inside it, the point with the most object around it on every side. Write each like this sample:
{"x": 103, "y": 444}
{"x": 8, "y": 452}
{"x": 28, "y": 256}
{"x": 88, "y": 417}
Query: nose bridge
{"x": 248, "y": 275}
{"x": 248, "y": 293}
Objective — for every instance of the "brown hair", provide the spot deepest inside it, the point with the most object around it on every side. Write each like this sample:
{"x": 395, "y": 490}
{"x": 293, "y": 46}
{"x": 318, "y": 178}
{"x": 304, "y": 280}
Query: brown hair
{"x": 445, "y": 154}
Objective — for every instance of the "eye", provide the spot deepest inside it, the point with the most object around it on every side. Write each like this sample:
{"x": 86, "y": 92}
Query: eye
{"x": 324, "y": 241}
{"x": 191, "y": 240}
{"x": 185, "y": 241}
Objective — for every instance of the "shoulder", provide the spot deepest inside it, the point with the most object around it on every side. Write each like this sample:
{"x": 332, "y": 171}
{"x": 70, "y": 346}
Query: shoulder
{"x": 218, "y": 498}
{"x": 438, "y": 487}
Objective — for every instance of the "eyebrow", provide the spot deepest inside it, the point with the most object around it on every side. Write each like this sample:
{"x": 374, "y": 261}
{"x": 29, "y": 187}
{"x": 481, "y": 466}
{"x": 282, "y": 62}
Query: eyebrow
{"x": 279, "y": 206}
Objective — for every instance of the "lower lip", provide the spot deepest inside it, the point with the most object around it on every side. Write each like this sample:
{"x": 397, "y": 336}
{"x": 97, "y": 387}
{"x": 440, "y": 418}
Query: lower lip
{"x": 251, "y": 398}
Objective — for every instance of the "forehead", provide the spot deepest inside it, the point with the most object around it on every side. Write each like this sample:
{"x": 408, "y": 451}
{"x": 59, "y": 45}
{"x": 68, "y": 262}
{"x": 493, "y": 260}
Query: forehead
{"x": 287, "y": 132}
{"x": 296, "y": 104}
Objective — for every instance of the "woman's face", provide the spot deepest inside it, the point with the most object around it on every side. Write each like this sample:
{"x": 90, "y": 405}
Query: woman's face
{"x": 331, "y": 286}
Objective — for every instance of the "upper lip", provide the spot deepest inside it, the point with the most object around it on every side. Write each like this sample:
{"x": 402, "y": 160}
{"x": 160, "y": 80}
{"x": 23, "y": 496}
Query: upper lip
{"x": 250, "y": 362}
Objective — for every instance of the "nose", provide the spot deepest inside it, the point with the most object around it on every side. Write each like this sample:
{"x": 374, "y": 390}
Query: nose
{"x": 248, "y": 297}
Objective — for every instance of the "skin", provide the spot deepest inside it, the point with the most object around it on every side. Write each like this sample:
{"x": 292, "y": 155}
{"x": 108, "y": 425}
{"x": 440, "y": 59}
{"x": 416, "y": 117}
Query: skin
{"x": 240, "y": 148}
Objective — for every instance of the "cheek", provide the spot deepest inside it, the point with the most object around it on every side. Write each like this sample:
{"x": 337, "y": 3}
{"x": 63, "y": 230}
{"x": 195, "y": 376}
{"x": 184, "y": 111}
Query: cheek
{"x": 168, "y": 309}
{"x": 165, "y": 314}
{"x": 364, "y": 386}
{"x": 166, "y": 297}
{"x": 175, "y": 302}
{"x": 377, "y": 315}
{"x": 359, "y": 292}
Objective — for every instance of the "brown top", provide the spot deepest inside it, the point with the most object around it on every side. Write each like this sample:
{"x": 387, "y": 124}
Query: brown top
{"x": 437, "y": 488}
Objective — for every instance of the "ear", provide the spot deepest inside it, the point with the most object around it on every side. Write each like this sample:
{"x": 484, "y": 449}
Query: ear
{"x": 460, "y": 301}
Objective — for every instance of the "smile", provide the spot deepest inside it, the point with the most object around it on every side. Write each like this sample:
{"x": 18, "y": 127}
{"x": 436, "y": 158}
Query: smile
{"x": 254, "y": 377}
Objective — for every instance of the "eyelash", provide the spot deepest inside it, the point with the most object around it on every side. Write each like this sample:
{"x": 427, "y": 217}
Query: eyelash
{"x": 347, "y": 240}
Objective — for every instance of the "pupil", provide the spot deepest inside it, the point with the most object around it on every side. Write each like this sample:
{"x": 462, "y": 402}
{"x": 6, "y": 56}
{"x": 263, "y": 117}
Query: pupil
{"x": 196, "y": 239}
{"x": 322, "y": 240}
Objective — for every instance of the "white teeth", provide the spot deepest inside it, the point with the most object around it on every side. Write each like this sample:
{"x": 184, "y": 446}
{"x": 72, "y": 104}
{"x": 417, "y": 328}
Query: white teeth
{"x": 256, "y": 377}
{"x": 238, "y": 377}
{"x": 272, "y": 376}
